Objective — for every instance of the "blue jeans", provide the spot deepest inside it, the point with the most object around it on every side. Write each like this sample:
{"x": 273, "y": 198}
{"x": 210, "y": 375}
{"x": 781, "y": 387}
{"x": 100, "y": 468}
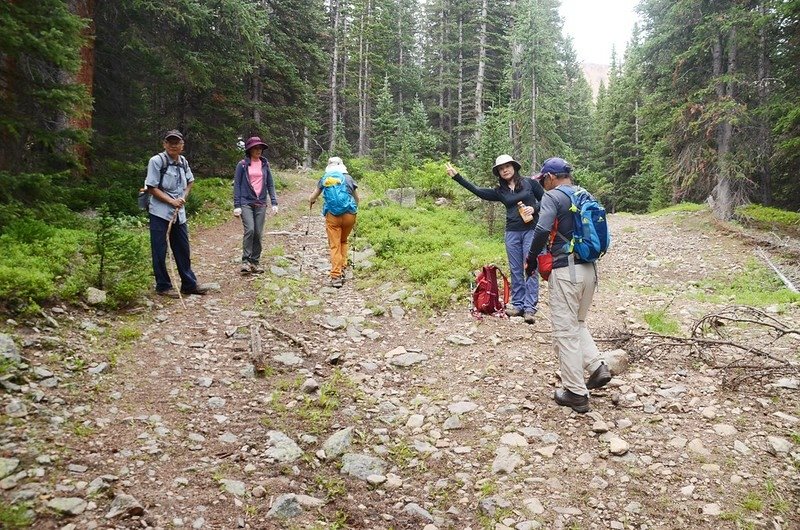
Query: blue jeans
{"x": 179, "y": 243}
{"x": 253, "y": 223}
{"x": 524, "y": 293}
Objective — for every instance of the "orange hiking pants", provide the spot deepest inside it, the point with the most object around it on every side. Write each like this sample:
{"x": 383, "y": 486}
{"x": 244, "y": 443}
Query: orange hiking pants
{"x": 338, "y": 228}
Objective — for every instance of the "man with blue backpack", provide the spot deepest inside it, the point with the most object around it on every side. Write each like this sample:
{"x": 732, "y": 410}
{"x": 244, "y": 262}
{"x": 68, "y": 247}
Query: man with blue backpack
{"x": 338, "y": 189}
{"x": 573, "y": 232}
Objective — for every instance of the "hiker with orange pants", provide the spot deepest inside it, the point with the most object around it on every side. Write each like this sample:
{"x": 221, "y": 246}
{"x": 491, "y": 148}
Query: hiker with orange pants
{"x": 521, "y": 198}
{"x": 339, "y": 190}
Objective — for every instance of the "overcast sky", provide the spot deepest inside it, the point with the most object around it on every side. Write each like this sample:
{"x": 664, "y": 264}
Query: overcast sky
{"x": 597, "y": 25}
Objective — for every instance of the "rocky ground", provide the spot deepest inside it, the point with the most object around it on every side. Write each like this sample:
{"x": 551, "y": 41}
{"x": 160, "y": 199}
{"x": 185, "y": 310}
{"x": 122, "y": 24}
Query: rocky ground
{"x": 372, "y": 412}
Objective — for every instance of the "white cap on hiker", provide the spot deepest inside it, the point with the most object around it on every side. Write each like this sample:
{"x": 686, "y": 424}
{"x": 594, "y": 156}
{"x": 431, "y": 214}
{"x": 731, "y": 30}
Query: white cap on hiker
{"x": 502, "y": 160}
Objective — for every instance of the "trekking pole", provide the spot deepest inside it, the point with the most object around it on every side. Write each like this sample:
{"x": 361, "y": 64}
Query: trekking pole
{"x": 353, "y": 252}
{"x": 305, "y": 236}
{"x": 169, "y": 248}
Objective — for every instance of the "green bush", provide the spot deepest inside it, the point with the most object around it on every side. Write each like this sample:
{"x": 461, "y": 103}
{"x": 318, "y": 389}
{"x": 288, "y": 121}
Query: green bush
{"x": 437, "y": 249}
{"x": 768, "y": 218}
{"x": 42, "y": 261}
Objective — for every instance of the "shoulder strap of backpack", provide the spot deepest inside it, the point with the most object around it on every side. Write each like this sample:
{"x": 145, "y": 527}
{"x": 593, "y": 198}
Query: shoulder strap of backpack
{"x": 506, "y": 288}
{"x": 162, "y": 169}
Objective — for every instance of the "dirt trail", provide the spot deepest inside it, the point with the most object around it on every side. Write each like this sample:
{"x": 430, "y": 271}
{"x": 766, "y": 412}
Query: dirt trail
{"x": 455, "y": 415}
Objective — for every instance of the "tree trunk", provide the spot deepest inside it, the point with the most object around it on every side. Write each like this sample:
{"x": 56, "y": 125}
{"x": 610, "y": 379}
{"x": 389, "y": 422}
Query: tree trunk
{"x": 516, "y": 85}
{"x": 441, "y": 67}
{"x": 460, "y": 114}
{"x": 85, "y": 75}
{"x": 764, "y": 136}
{"x": 481, "y": 69}
{"x": 363, "y": 84}
{"x": 725, "y": 192}
{"x": 334, "y": 70}
{"x": 257, "y": 97}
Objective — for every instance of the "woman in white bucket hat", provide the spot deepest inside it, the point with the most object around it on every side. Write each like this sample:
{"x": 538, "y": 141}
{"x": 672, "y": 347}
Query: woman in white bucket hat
{"x": 511, "y": 190}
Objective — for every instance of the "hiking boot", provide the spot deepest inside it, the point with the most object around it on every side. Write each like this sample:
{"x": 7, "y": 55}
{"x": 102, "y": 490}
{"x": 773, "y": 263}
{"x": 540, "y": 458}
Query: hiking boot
{"x": 337, "y": 282}
{"x": 169, "y": 293}
{"x": 530, "y": 317}
{"x": 513, "y": 311}
{"x": 576, "y": 402}
{"x": 599, "y": 377}
{"x": 255, "y": 269}
{"x": 195, "y": 290}
{"x": 245, "y": 269}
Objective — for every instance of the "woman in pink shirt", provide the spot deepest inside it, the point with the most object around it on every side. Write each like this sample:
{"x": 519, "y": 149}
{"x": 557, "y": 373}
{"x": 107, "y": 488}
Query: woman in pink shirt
{"x": 251, "y": 183}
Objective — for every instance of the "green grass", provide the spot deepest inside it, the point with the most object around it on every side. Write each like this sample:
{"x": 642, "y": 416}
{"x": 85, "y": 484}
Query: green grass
{"x": 660, "y": 322}
{"x": 435, "y": 249}
{"x": 14, "y": 516}
{"x": 756, "y": 286}
{"x": 684, "y": 207}
{"x": 767, "y": 218}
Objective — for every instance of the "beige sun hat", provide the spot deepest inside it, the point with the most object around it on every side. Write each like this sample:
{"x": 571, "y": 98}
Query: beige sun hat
{"x": 504, "y": 159}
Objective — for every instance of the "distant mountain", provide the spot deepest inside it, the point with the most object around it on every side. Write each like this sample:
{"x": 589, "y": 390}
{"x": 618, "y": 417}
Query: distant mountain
{"x": 595, "y": 74}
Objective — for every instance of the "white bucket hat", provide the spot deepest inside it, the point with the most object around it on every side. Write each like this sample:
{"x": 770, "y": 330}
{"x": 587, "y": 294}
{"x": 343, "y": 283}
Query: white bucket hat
{"x": 504, "y": 159}
{"x": 335, "y": 164}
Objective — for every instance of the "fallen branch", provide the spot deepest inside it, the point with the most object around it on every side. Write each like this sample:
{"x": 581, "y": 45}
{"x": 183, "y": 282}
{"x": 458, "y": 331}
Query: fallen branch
{"x": 256, "y": 352}
{"x": 786, "y": 281}
{"x": 750, "y": 355}
{"x": 297, "y": 341}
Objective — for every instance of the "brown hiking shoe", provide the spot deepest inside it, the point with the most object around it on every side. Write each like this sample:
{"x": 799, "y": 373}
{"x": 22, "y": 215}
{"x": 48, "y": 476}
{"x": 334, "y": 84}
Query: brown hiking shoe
{"x": 513, "y": 311}
{"x": 576, "y": 402}
{"x": 599, "y": 377}
{"x": 530, "y": 317}
{"x": 196, "y": 290}
{"x": 169, "y": 293}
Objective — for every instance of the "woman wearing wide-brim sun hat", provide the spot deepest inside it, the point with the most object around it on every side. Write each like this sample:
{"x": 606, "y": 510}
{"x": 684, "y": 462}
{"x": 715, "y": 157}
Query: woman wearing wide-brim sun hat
{"x": 521, "y": 197}
{"x": 252, "y": 182}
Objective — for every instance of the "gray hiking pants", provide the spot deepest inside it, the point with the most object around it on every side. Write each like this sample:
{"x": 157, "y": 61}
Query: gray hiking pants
{"x": 253, "y": 218}
{"x": 569, "y": 305}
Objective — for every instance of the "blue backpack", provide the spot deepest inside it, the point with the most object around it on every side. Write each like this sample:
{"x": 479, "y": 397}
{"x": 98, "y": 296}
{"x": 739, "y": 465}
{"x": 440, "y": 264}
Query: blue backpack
{"x": 338, "y": 199}
{"x": 590, "y": 237}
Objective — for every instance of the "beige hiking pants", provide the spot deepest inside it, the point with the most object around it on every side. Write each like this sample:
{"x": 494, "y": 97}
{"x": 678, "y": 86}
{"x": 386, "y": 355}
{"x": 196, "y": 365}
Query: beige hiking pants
{"x": 569, "y": 305}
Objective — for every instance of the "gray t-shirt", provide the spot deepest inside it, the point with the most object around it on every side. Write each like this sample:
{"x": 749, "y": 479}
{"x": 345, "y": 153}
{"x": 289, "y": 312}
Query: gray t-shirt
{"x": 173, "y": 184}
{"x": 555, "y": 205}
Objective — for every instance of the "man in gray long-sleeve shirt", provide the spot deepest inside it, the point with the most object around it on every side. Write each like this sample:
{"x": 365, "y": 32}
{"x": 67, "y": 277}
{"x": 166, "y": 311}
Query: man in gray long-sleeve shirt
{"x": 572, "y": 287}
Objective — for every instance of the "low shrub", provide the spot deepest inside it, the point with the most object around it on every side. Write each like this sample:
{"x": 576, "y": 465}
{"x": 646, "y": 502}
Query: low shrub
{"x": 437, "y": 249}
{"x": 767, "y": 218}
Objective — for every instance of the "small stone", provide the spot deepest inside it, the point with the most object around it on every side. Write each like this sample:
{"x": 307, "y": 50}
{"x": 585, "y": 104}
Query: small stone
{"x": 68, "y": 505}
{"x": 124, "y": 505}
{"x": 618, "y": 446}
{"x": 711, "y": 509}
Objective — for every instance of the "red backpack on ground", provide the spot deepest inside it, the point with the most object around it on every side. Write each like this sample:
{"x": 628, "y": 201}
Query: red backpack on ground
{"x": 486, "y": 297}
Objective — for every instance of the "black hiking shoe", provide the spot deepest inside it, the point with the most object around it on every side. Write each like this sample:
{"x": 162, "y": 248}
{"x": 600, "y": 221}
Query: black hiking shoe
{"x": 576, "y": 402}
{"x": 599, "y": 377}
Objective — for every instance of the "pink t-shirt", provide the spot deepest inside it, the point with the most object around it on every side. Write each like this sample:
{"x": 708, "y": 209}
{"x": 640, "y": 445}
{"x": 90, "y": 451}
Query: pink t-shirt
{"x": 255, "y": 176}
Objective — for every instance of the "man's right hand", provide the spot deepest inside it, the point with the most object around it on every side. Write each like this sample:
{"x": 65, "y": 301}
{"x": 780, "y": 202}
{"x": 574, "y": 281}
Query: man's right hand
{"x": 530, "y": 266}
{"x": 237, "y": 212}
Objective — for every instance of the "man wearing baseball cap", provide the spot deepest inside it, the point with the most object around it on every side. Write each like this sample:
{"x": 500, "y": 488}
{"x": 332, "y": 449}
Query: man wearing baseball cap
{"x": 169, "y": 181}
{"x": 571, "y": 291}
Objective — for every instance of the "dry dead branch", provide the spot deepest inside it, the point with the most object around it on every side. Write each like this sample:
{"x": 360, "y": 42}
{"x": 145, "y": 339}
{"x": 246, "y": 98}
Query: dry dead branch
{"x": 256, "y": 351}
{"x": 746, "y": 343}
{"x": 297, "y": 341}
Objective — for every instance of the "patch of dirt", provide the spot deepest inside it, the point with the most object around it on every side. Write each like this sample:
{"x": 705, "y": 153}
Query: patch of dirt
{"x": 470, "y": 436}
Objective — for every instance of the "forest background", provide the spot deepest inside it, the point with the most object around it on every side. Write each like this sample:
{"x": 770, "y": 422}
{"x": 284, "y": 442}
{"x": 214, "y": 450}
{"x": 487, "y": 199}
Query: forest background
{"x": 704, "y": 103}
